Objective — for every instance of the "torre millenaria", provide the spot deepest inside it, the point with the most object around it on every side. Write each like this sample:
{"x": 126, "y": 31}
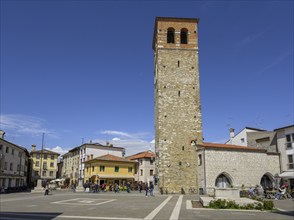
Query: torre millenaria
{"x": 178, "y": 120}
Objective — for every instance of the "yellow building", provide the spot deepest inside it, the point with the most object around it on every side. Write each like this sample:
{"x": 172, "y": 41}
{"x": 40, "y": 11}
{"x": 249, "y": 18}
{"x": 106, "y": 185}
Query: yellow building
{"x": 44, "y": 165}
{"x": 109, "y": 169}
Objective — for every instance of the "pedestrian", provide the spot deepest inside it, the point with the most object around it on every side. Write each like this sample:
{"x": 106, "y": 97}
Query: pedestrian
{"x": 116, "y": 188}
{"x": 46, "y": 190}
{"x": 146, "y": 189}
{"x": 140, "y": 187}
{"x": 151, "y": 188}
{"x": 128, "y": 187}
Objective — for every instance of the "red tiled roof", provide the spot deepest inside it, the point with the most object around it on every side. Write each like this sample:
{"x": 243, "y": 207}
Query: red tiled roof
{"x": 145, "y": 154}
{"x": 109, "y": 157}
{"x": 230, "y": 147}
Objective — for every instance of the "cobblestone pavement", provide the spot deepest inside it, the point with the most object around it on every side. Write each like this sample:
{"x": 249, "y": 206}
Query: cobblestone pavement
{"x": 64, "y": 204}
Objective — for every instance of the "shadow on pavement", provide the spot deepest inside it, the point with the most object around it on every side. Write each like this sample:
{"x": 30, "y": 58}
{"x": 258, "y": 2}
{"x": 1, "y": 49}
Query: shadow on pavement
{"x": 29, "y": 215}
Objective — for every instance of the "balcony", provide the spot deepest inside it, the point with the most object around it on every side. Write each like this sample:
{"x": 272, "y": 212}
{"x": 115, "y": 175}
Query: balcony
{"x": 289, "y": 145}
{"x": 290, "y": 166}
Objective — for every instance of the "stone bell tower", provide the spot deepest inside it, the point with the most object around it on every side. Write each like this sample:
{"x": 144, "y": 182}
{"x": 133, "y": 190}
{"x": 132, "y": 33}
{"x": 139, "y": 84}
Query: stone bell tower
{"x": 178, "y": 120}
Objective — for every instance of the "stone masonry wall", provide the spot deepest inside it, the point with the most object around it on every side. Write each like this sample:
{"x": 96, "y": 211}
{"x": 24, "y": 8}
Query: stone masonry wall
{"x": 242, "y": 167}
{"x": 177, "y": 108}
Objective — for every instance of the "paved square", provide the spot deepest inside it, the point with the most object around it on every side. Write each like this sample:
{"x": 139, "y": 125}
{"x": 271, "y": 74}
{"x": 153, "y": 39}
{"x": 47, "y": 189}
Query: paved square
{"x": 84, "y": 201}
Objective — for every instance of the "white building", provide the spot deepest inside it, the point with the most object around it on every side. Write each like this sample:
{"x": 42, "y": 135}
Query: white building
{"x": 285, "y": 142}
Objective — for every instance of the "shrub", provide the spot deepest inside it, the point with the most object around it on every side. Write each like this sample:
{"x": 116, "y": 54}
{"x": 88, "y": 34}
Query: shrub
{"x": 268, "y": 205}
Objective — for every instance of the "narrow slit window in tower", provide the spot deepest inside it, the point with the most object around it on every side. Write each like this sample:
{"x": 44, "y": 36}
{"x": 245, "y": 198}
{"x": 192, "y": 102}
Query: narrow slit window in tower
{"x": 179, "y": 93}
{"x": 178, "y": 63}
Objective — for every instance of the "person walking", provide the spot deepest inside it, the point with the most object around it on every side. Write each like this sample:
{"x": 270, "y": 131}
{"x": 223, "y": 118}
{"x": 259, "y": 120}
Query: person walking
{"x": 128, "y": 187}
{"x": 46, "y": 190}
{"x": 151, "y": 188}
{"x": 146, "y": 189}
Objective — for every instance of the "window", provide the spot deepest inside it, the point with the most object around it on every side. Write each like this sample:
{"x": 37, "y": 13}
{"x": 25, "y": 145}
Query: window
{"x": 36, "y": 173}
{"x": 179, "y": 93}
{"x": 130, "y": 169}
{"x": 45, "y": 156}
{"x": 12, "y": 151}
{"x": 288, "y": 138}
{"x": 18, "y": 167}
{"x": 44, "y": 173}
{"x": 116, "y": 169}
{"x": 5, "y": 165}
{"x": 199, "y": 160}
{"x": 184, "y": 36}
{"x": 37, "y": 163}
{"x": 242, "y": 140}
{"x": 51, "y": 173}
{"x": 291, "y": 164}
{"x": 170, "y": 35}
{"x": 183, "y": 148}
{"x": 151, "y": 172}
{"x": 52, "y": 157}
{"x": 45, "y": 165}
{"x": 141, "y": 172}
{"x": 51, "y": 164}
{"x": 141, "y": 162}
{"x": 222, "y": 181}
{"x": 151, "y": 161}
{"x": 1, "y": 147}
{"x": 102, "y": 168}
{"x": 38, "y": 156}
{"x": 7, "y": 149}
{"x": 11, "y": 166}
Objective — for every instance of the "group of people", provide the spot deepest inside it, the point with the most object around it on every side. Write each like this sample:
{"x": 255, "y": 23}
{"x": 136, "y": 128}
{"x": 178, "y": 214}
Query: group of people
{"x": 259, "y": 191}
{"x": 149, "y": 189}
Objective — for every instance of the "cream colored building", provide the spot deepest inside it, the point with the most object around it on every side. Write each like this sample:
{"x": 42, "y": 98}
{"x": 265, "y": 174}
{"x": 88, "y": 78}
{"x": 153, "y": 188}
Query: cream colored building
{"x": 44, "y": 164}
{"x": 145, "y": 166}
{"x": 14, "y": 164}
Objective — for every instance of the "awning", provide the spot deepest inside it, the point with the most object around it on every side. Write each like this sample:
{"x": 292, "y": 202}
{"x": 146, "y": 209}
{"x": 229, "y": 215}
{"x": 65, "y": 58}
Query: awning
{"x": 287, "y": 174}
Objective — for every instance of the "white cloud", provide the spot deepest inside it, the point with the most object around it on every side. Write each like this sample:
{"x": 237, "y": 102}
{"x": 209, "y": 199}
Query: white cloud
{"x": 122, "y": 134}
{"x": 24, "y": 125}
{"x": 58, "y": 149}
{"x": 132, "y": 146}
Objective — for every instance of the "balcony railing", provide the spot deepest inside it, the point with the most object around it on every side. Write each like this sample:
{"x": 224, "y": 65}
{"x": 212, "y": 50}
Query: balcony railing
{"x": 289, "y": 145}
{"x": 290, "y": 166}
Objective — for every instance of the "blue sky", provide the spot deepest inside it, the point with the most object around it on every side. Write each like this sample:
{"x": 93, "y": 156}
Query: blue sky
{"x": 83, "y": 70}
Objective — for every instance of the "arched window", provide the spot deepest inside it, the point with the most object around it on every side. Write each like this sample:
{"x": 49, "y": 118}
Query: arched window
{"x": 171, "y": 35}
{"x": 223, "y": 181}
{"x": 184, "y": 36}
{"x": 266, "y": 182}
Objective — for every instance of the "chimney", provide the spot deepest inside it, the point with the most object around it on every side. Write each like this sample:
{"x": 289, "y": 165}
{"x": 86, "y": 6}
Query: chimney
{"x": 33, "y": 147}
{"x": 2, "y": 133}
{"x": 232, "y": 134}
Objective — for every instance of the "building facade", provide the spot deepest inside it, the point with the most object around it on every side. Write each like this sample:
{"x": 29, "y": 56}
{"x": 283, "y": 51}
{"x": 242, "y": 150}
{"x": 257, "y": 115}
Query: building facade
{"x": 285, "y": 143}
{"x": 178, "y": 120}
{"x": 14, "y": 165}
{"x": 225, "y": 166}
{"x": 110, "y": 170}
{"x": 44, "y": 165}
{"x": 74, "y": 160}
{"x": 145, "y": 167}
